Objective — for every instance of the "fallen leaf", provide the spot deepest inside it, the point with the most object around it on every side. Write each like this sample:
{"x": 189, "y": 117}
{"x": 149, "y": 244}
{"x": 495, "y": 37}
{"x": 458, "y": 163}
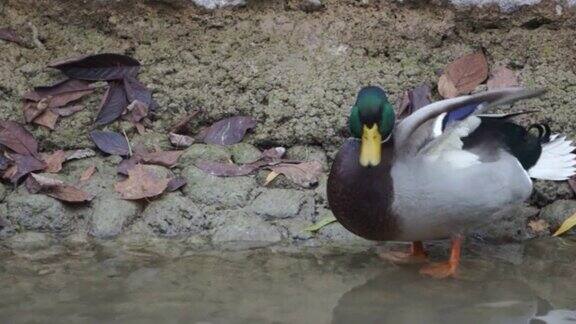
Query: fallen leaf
{"x": 164, "y": 158}
{"x": 4, "y": 163}
{"x": 321, "y": 223}
{"x": 137, "y": 111}
{"x": 176, "y": 183}
{"x": 180, "y": 140}
{"x": 446, "y": 88}
{"x": 502, "y": 77}
{"x": 143, "y": 182}
{"x": 33, "y": 109}
{"x": 113, "y": 104}
{"x": 47, "y": 119}
{"x": 467, "y": 72}
{"x": 304, "y": 174}
{"x": 136, "y": 91}
{"x": 270, "y": 177}
{"x": 539, "y": 226}
{"x": 110, "y": 142}
{"x": 140, "y": 128}
{"x": 15, "y": 137}
{"x": 566, "y": 225}
{"x": 10, "y": 35}
{"x": 228, "y": 131}
{"x": 98, "y": 67}
{"x": 57, "y": 189}
{"x": 67, "y": 111}
{"x": 127, "y": 164}
{"x": 87, "y": 174}
{"x": 23, "y": 165}
{"x": 54, "y": 161}
{"x": 79, "y": 154}
{"x": 227, "y": 169}
{"x": 64, "y": 86}
{"x": 415, "y": 99}
{"x": 182, "y": 123}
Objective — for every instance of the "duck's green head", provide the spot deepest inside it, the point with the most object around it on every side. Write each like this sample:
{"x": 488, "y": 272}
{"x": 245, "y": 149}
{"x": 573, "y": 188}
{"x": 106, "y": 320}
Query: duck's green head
{"x": 371, "y": 120}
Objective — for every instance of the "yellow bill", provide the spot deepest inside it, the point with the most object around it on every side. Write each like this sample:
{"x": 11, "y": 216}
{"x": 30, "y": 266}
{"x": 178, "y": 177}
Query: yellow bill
{"x": 370, "y": 149}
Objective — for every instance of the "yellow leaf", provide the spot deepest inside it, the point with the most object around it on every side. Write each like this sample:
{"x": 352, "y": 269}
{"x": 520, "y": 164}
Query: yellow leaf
{"x": 271, "y": 176}
{"x": 321, "y": 223}
{"x": 567, "y": 225}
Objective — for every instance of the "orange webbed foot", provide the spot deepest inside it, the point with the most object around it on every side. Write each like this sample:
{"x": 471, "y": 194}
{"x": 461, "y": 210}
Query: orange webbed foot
{"x": 449, "y": 268}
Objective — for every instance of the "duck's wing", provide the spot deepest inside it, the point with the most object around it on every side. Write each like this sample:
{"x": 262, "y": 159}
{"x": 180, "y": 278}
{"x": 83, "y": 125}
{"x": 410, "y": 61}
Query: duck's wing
{"x": 417, "y": 130}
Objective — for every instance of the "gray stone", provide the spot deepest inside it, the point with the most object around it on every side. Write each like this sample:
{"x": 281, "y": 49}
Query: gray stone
{"x": 557, "y": 212}
{"x": 283, "y": 203}
{"x": 508, "y": 226}
{"x": 224, "y": 192}
{"x": 214, "y": 4}
{"x": 174, "y": 215}
{"x": 111, "y": 215}
{"x": 38, "y": 212}
{"x": 308, "y": 153}
{"x": 546, "y": 192}
{"x": 3, "y": 192}
{"x": 310, "y": 5}
{"x": 336, "y": 234}
{"x": 204, "y": 152}
{"x": 244, "y": 153}
{"x": 241, "y": 230}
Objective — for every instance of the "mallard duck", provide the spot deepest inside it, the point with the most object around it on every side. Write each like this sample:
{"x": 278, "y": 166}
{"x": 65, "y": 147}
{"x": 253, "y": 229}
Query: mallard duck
{"x": 439, "y": 172}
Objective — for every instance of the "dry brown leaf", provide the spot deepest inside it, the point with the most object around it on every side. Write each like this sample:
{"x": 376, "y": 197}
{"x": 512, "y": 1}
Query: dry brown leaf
{"x": 539, "y": 226}
{"x": 54, "y": 161}
{"x": 143, "y": 182}
{"x": 467, "y": 72}
{"x": 47, "y": 119}
{"x": 34, "y": 109}
{"x": 502, "y": 77}
{"x": 87, "y": 174}
{"x": 182, "y": 123}
{"x": 446, "y": 88}
{"x": 57, "y": 189}
{"x": 304, "y": 174}
{"x": 23, "y": 164}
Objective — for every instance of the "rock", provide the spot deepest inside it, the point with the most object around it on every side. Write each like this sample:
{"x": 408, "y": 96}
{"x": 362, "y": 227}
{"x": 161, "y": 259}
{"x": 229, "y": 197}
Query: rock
{"x": 204, "y": 152}
{"x": 3, "y": 192}
{"x": 174, "y": 215}
{"x": 311, "y": 5}
{"x": 224, "y": 192}
{"x": 241, "y": 230}
{"x": 244, "y": 153}
{"x": 308, "y": 153}
{"x": 38, "y": 212}
{"x": 152, "y": 141}
{"x": 296, "y": 228}
{"x": 214, "y": 4}
{"x": 508, "y": 226}
{"x": 546, "y": 192}
{"x": 557, "y": 212}
{"x": 336, "y": 234}
{"x": 111, "y": 215}
{"x": 283, "y": 203}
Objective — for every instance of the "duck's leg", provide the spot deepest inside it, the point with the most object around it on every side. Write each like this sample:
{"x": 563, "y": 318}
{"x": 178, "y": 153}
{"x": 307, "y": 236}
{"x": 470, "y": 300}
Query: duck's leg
{"x": 449, "y": 268}
{"x": 416, "y": 255}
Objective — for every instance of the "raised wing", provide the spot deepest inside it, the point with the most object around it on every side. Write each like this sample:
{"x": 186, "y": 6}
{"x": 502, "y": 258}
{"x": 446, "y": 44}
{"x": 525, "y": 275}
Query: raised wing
{"x": 407, "y": 129}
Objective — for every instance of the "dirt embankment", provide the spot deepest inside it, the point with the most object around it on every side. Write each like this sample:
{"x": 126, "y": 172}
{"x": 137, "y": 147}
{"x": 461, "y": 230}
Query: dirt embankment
{"x": 297, "y": 72}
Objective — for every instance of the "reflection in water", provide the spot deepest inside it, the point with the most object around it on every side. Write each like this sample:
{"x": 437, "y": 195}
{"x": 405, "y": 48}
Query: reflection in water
{"x": 403, "y": 296}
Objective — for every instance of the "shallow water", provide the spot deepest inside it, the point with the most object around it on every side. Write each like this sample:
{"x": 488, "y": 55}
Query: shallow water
{"x": 287, "y": 287}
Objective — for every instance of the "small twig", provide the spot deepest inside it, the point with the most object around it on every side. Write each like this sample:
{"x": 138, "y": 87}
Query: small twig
{"x": 128, "y": 141}
{"x": 35, "y": 39}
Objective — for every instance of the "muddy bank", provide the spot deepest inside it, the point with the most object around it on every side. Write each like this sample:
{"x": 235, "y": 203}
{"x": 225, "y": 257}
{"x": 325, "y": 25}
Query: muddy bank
{"x": 296, "y": 72}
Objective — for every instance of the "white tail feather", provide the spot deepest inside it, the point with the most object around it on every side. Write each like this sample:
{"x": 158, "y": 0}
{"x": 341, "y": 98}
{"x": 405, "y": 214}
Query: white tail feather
{"x": 557, "y": 162}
